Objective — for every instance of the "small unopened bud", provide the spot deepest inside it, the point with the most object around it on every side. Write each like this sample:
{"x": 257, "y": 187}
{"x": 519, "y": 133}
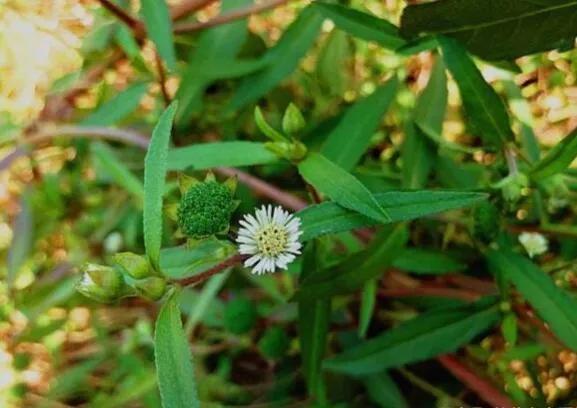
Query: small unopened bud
{"x": 135, "y": 266}
{"x": 293, "y": 151}
{"x": 513, "y": 187}
{"x": 152, "y": 288}
{"x": 293, "y": 120}
{"x": 101, "y": 283}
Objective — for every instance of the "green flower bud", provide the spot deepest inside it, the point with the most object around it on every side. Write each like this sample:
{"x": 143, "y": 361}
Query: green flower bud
{"x": 205, "y": 209}
{"x": 513, "y": 186}
{"x": 101, "y": 283}
{"x": 135, "y": 266}
{"x": 293, "y": 151}
{"x": 152, "y": 288}
{"x": 293, "y": 120}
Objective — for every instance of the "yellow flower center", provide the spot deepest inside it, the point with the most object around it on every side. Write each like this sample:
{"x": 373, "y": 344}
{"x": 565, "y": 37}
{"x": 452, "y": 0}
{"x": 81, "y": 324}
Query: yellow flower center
{"x": 271, "y": 240}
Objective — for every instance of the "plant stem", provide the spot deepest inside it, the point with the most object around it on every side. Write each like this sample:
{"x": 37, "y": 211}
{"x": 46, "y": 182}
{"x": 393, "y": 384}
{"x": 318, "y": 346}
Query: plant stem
{"x": 122, "y": 15}
{"x": 201, "y": 277}
{"x": 228, "y": 17}
{"x": 187, "y": 7}
{"x": 430, "y": 388}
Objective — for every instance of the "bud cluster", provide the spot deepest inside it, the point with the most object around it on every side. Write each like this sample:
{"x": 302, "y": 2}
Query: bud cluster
{"x": 130, "y": 275}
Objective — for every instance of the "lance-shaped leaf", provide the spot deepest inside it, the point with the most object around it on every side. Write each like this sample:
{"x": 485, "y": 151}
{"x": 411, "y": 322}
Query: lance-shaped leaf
{"x": 207, "y": 155}
{"x": 485, "y": 111}
{"x": 117, "y": 107}
{"x": 327, "y": 218}
{"x": 313, "y": 325}
{"x": 159, "y": 28}
{"x": 362, "y": 25}
{"x": 173, "y": 359}
{"x": 558, "y": 158}
{"x": 356, "y": 270}
{"x": 348, "y": 141}
{"x": 282, "y": 59}
{"x": 154, "y": 184}
{"x": 553, "y": 304}
{"x": 341, "y": 186}
{"x": 433, "y": 333}
{"x": 496, "y": 29}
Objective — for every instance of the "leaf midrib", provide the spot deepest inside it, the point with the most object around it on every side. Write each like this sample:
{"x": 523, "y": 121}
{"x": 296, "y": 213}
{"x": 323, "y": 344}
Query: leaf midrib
{"x": 508, "y": 19}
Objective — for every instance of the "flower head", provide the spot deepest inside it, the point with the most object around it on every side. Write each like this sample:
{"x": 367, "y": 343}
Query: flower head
{"x": 205, "y": 209}
{"x": 271, "y": 237}
{"x": 534, "y": 243}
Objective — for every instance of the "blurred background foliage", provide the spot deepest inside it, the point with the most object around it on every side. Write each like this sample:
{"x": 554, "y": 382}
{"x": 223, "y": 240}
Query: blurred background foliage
{"x": 65, "y": 201}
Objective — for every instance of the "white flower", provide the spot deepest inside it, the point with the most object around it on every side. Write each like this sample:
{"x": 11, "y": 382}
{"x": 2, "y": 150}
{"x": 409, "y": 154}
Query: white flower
{"x": 534, "y": 243}
{"x": 271, "y": 237}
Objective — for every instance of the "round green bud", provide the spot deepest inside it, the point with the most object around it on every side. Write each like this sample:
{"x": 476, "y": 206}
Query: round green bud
{"x": 135, "y": 266}
{"x": 205, "y": 209}
{"x": 152, "y": 288}
{"x": 274, "y": 343}
{"x": 101, "y": 283}
{"x": 239, "y": 316}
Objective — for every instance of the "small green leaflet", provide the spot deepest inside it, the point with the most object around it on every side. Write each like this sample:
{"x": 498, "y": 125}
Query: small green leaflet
{"x": 362, "y": 25}
{"x": 341, "y": 186}
{"x": 173, "y": 359}
{"x": 328, "y": 218}
{"x": 117, "y": 108}
{"x": 348, "y": 141}
{"x": 558, "y": 158}
{"x": 368, "y": 302}
{"x": 553, "y": 304}
{"x": 383, "y": 390}
{"x": 283, "y": 58}
{"x": 433, "y": 333}
{"x": 418, "y": 156}
{"x": 159, "y": 28}
{"x": 356, "y": 270}
{"x": 117, "y": 170}
{"x": 208, "y": 155}
{"x": 486, "y": 113}
{"x": 154, "y": 184}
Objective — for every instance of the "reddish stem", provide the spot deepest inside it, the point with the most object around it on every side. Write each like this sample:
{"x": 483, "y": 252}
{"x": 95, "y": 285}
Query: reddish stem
{"x": 230, "y": 262}
{"x": 482, "y": 387}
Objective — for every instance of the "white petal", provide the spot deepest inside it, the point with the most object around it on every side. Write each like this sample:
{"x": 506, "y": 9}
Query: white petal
{"x": 247, "y": 249}
{"x": 245, "y": 240}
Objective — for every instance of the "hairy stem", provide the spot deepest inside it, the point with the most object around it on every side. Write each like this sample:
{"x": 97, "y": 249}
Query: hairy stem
{"x": 201, "y": 277}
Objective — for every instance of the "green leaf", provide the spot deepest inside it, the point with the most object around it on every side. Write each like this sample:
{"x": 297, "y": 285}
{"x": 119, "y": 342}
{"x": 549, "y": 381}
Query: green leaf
{"x": 337, "y": 52}
{"x": 431, "y": 105}
{"x": 154, "y": 184}
{"x": 418, "y": 157}
{"x": 348, "y": 141}
{"x": 496, "y": 29}
{"x": 427, "y": 262}
{"x": 117, "y": 170}
{"x": 213, "y": 58}
{"x": 368, "y": 301}
{"x": 23, "y": 232}
{"x": 328, "y": 218}
{"x": 117, "y": 108}
{"x": 159, "y": 28}
{"x": 209, "y": 155}
{"x": 173, "y": 359}
{"x": 341, "y": 186}
{"x": 433, "y": 333}
{"x": 362, "y": 25}
{"x": 183, "y": 262}
{"x": 356, "y": 270}
{"x": 486, "y": 113}
{"x": 558, "y": 158}
{"x": 522, "y": 112}
{"x": 283, "y": 58}
{"x": 313, "y": 326}
{"x": 383, "y": 390}
{"x": 553, "y": 304}
{"x": 266, "y": 128}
